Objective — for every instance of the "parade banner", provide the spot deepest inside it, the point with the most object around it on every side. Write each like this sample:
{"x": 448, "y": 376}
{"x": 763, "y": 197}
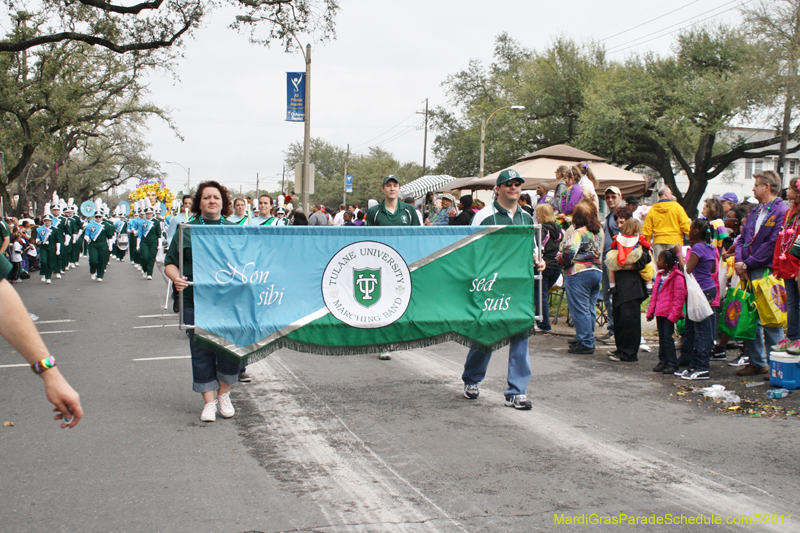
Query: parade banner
{"x": 340, "y": 290}
{"x": 296, "y": 96}
{"x": 348, "y": 183}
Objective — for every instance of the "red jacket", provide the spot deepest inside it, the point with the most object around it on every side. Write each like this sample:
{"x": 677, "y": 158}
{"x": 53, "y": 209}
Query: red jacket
{"x": 784, "y": 264}
{"x": 668, "y": 300}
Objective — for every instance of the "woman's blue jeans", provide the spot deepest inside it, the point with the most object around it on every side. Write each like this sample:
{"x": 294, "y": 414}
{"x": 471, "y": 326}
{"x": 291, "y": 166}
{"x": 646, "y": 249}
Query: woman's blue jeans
{"x": 208, "y": 369}
{"x": 583, "y": 291}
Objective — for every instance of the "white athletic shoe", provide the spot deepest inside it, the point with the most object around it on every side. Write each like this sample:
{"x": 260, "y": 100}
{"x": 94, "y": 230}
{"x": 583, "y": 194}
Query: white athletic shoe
{"x": 66, "y": 268}
{"x": 94, "y": 277}
{"x": 149, "y": 277}
{"x": 385, "y": 355}
{"x": 58, "y": 276}
{"x": 144, "y": 274}
{"x": 100, "y": 279}
{"x": 48, "y": 282}
{"x": 209, "y": 413}
{"x": 225, "y": 406}
{"x": 44, "y": 279}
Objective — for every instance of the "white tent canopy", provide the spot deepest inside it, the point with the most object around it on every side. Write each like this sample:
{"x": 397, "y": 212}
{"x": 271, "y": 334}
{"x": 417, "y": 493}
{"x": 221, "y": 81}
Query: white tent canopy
{"x": 423, "y": 185}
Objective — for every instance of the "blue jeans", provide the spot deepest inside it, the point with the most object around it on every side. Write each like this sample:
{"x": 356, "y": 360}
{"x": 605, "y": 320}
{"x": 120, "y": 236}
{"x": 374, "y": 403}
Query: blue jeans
{"x": 519, "y": 367}
{"x": 208, "y": 369}
{"x": 607, "y": 296}
{"x": 583, "y": 291}
{"x": 549, "y": 278}
{"x": 792, "y": 309}
{"x": 764, "y": 336}
{"x": 698, "y": 340}
{"x": 666, "y": 344}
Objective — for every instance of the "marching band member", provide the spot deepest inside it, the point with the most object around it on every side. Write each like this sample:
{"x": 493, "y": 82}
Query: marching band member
{"x": 48, "y": 247}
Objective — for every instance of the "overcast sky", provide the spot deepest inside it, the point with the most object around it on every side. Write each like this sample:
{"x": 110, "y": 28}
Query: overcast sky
{"x": 369, "y": 83}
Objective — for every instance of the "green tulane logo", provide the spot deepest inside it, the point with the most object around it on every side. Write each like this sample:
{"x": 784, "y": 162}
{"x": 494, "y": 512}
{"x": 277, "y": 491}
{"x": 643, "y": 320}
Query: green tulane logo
{"x": 367, "y": 284}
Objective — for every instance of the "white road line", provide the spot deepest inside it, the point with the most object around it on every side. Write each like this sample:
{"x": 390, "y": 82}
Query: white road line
{"x": 53, "y": 321}
{"x": 54, "y": 332}
{"x": 155, "y": 316}
{"x": 14, "y": 366}
{"x": 157, "y": 326}
{"x": 164, "y": 358}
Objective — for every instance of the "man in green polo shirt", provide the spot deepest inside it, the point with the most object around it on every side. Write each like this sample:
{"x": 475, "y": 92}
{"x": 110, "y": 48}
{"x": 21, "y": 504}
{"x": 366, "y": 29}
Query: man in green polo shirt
{"x": 391, "y": 212}
{"x": 503, "y": 211}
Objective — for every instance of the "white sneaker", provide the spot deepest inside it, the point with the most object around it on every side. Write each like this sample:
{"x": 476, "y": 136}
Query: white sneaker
{"x": 66, "y": 268}
{"x": 385, "y": 356}
{"x": 209, "y": 413}
{"x": 94, "y": 277}
{"x": 225, "y": 406}
{"x": 58, "y": 276}
{"x": 149, "y": 277}
{"x": 44, "y": 279}
{"x": 49, "y": 282}
{"x": 100, "y": 279}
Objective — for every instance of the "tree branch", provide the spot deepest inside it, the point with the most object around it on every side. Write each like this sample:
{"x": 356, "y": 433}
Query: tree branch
{"x": 19, "y": 46}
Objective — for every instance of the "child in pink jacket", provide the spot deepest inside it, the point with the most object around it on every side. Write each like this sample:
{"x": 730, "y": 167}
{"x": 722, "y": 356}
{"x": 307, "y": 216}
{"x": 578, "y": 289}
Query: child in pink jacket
{"x": 666, "y": 304}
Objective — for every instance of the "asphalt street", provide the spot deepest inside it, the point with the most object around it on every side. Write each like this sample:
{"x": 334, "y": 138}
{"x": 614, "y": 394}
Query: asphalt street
{"x": 341, "y": 444}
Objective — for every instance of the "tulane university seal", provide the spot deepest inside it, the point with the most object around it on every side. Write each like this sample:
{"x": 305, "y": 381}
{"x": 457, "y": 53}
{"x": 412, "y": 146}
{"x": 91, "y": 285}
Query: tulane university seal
{"x": 367, "y": 285}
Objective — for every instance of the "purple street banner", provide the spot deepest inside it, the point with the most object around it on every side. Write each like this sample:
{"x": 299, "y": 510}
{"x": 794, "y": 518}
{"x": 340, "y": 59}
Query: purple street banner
{"x": 295, "y": 96}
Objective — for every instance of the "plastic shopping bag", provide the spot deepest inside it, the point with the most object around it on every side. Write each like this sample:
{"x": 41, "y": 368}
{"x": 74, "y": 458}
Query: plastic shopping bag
{"x": 770, "y": 295}
{"x": 697, "y": 306}
{"x": 739, "y": 318}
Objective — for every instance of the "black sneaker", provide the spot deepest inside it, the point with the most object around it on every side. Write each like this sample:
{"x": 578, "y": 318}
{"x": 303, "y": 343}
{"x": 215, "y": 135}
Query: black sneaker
{"x": 244, "y": 377}
{"x": 718, "y": 354}
{"x": 742, "y": 360}
{"x": 669, "y": 370}
{"x": 520, "y": 401}
{"x": 580, "y": 350}
{"x": 471, "y": 391}
{"x": 659, "y": 367}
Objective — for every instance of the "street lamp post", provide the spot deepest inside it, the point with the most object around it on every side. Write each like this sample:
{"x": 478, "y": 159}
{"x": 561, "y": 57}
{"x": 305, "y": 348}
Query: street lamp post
{"x": 306, "y": 178}
{"x": 188, "y": 175}
{"x": 483, "y": 131}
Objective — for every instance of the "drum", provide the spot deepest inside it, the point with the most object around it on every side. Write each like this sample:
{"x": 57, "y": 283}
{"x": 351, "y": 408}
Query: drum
{"x": 122, "y": 241}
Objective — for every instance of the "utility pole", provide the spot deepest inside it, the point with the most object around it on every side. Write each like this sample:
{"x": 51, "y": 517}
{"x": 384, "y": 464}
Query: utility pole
{"x": 283, "y": 181}
{"x": 425, "y": 141}
{"x": 257, "y": 191}
{"x": 307, "y": 139}
{"x": 346, "y": 161}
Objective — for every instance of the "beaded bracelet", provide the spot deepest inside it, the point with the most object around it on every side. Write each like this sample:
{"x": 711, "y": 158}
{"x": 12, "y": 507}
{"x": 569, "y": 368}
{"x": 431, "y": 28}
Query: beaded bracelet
{"x": 44, "y": 364}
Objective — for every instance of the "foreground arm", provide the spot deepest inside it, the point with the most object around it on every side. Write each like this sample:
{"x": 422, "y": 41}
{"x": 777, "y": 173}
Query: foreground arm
{"x": 18, "y": 329}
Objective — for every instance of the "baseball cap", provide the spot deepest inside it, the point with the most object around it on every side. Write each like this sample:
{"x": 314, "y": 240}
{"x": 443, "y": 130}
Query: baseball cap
{"x": 508, "y": 175}
{"x": 729, "y": 197}
{"x": 391, "y": 177}
{"x": 615, "y": 190}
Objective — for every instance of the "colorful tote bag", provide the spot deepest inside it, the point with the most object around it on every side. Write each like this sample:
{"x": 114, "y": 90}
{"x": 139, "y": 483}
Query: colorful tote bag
{"x": 770, "y": 294}
{"x": 739, "y": 317}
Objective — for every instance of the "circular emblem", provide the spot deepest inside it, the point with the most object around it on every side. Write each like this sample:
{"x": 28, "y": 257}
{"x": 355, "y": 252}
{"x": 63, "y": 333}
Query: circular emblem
{"x": 367, "y": 285}
{"x": 88, "y": 208}
{"x": 732, "y": 313}
{"x": 779, "y": 296}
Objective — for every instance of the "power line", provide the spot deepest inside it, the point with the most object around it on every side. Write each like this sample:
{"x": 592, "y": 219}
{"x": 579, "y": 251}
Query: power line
{"x": 649, "y": 21}
{"x": 618, "y": 48}
{"x": 384, "y": 133}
